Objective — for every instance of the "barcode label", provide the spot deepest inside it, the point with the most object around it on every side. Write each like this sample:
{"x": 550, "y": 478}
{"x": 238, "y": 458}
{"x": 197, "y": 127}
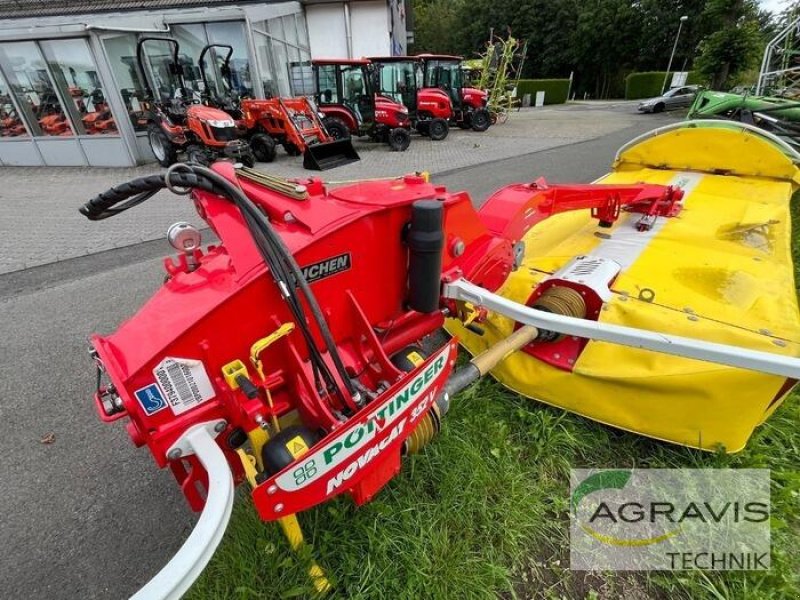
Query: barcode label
{"x": 184, "y": 382}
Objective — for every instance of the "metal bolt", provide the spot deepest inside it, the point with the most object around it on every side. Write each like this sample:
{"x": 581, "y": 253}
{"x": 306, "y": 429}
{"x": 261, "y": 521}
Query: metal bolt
{"x": 272, "y": 489}
{"x": 779, "y": 343}
{"x": 220, "y": 427}
{"x": 693, "y": 318}
{"x": 279, "y": 507}
{"x": 557, "y": 356}
{"x": 175, "y": 454}
{"x": 458, "y": 248}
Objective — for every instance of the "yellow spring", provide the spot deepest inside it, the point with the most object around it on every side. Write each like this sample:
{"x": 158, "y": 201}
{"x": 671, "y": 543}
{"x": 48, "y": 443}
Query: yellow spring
{"x": 423, "y": 433}
{"x": 562, "y": 301}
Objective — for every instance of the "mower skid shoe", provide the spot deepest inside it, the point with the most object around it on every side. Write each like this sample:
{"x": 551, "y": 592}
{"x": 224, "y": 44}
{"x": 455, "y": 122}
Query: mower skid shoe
{"x": 175, "y": 579}
{"x": 329, "y": 155}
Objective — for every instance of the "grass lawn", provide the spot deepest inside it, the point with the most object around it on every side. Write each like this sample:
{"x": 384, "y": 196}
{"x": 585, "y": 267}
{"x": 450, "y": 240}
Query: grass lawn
{"x": 483, "y": 513}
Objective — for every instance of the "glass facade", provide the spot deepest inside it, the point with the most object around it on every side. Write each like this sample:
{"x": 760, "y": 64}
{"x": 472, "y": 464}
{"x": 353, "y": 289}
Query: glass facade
{"x": 78, "y": 87}
{"x": 11, "y": 124}
{"x": 75, "y": 74}
{"x": 25, "y": 70}
{"x": 121, "y": 53}
{"x": 284, "y": 56}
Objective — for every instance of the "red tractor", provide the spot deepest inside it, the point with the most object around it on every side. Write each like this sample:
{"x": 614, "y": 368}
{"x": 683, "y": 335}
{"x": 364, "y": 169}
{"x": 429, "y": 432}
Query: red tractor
{"x": 400, "y": 78}
{"x": 444, "y": 72}
{"x": 177, "y": 121}
{"x": 347, "y": 97}
{"x": 292, "y": 122}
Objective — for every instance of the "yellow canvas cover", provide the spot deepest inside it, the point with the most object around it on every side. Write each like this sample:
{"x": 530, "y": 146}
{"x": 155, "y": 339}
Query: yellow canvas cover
{"x": 720, "y": 271}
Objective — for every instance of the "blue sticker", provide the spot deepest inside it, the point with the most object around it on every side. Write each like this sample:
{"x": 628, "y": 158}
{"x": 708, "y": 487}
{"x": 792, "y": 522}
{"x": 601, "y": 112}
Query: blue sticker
{"x": 151, "y": 398}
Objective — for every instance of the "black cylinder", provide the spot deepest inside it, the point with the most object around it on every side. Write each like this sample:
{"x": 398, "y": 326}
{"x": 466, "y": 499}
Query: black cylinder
{"x": 425, "y": 242}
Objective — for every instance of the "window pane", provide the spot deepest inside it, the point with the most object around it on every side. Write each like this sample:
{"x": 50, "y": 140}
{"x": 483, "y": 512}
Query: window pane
{"x": 275, "y": 28}
{"x": 302, "y": 34}
{"x": 10, "y": 121}
{"x": 33, "y": 88}
{"x": 328, "y": 92}
{"x": 302, "y": 78}
{"x": 281, "y": 60}
{"x": 75, "y": 73}
{"x": 192, "y": 40}
{"x": 232, "y": 33}
{"x": 121, "y": 51}
{"x": 263, "y": 54}
{"x": 290, "y": 30}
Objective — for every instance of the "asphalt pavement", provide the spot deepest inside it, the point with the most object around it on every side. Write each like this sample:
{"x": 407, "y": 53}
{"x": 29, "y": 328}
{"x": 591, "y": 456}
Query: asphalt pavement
{"x": 85, "y": 514}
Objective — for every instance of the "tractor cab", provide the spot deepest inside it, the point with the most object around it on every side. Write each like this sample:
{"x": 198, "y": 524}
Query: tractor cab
{"x": 400, "y": 78}
{"x": 177, "y": 121}
{"x": 347, "y": 96}
{"x": 444, "y": 72}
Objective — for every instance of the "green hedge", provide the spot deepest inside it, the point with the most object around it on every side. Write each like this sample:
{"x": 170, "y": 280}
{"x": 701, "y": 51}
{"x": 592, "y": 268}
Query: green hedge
{"x": 650, "y": 83}
{"x": 555, "y": 90}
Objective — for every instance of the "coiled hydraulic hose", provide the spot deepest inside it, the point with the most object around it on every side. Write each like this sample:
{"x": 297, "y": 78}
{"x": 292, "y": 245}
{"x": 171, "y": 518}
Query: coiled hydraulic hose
{"x": 280, "y": 261}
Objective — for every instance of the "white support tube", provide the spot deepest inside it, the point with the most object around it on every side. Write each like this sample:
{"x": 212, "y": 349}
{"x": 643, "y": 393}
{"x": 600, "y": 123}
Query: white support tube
{"x": 767, "y": 362}
{"x": 177, "y": 576}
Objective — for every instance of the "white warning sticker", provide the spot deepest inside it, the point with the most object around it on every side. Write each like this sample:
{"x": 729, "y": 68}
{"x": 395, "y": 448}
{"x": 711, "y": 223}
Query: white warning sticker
{"x": 184, "y": 382}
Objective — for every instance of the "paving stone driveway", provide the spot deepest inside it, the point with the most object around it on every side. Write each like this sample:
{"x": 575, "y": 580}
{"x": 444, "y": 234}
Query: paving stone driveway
{"x": 40, "y": 221}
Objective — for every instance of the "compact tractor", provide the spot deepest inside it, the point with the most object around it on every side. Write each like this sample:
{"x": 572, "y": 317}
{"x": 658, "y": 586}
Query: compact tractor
{"x": 346, "y": 95}
{"x": 444, "y": 72}
{"x": 177, "y": 121}
{"x": 430, "y": 109}
{"x": 294, "y": 123}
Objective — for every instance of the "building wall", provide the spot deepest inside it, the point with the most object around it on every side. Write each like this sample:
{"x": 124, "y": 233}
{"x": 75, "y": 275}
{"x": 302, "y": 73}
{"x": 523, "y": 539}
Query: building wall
{"x": 327, "y": 31}
{"x": 369, "y": 22}
{"x": 356, "y": 29}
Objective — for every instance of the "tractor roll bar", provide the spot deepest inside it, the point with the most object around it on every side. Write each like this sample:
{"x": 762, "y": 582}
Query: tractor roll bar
{"x": 175, "y": 67}
{"x": 225, "y": 71}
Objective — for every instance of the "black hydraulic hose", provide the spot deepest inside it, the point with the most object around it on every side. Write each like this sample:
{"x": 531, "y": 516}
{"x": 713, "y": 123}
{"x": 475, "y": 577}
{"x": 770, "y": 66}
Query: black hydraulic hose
{"x": 138, "y": 190}
{"x": 243, "y": 201}
{"x": 274, "y": 251}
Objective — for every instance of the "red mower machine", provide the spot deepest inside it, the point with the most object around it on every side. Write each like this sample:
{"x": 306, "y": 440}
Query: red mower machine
{"x": 177, "y": 122}
{"x": 430, "y": 109}
{"x": 444, "y": 72}
{"x": 346, "y": 95}
{"x": 296, "y": 355}
{"x": 292, "y": 122}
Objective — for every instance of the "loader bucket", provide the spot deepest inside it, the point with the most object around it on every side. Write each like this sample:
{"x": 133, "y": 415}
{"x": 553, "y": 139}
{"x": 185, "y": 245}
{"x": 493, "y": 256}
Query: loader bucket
{"x": 328, "y": 155}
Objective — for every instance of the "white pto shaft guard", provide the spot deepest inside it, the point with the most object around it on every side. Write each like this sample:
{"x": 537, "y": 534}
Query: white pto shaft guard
{"x": 179, "y": 573}
{"x": 754, "y": 360}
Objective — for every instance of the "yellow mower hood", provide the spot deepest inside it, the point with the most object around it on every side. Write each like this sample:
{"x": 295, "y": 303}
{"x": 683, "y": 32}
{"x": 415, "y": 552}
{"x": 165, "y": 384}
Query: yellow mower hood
{"x": 721, "y": 271}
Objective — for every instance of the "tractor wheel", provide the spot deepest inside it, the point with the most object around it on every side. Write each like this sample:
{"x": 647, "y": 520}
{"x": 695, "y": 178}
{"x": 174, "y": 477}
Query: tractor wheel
{"x": 196, "y": 154}
{"x": 438, "y": 129}
{"x": 399, "y": 139}
{"x": 424, "y": 128}
{"x": 248, "y": 159}
{"x": 165, "y": 152}
{"x": 336, "y": 128}
{"x": 291, "y": 149}
{"x": 481, "y": 120}
{"x": 263, "y": 147}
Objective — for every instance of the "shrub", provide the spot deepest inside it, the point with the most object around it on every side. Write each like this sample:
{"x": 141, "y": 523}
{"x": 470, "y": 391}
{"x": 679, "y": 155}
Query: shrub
{"x": 650, "y": 83}
{"x": 555, "y": 90}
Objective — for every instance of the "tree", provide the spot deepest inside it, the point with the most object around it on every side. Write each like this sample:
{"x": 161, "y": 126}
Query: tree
{"x": 436, "y": 26}
{"x": 736, "y": 44}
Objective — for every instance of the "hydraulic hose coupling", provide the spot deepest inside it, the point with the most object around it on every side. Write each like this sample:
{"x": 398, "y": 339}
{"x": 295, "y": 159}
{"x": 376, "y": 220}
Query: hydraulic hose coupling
{"x": 425, "y": 243}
